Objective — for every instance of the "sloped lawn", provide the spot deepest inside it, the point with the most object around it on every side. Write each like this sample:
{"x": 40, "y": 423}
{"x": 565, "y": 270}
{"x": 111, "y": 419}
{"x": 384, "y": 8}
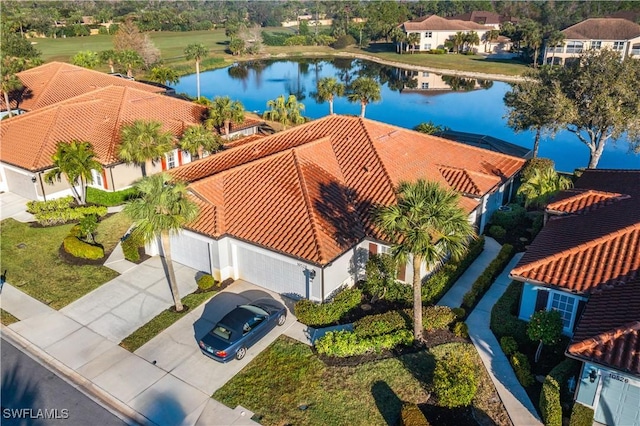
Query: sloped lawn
{"x": 31, "y": 257}
{"x": 288, "y": 384}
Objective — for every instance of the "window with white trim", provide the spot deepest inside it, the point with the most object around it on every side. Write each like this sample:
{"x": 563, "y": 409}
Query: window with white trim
{"x": 425, "y": 73}
{"x": 564, "y": 304}
{"x": 618, "y": 45}
{"x": 428, "y": 34}
{"x": 171, "y": 160}
{"x": 596, "y": 45}
{"x": 97, "y": 178}
{"x": 427, "y": 46}
{"x": 574, "y": 47}
{"x": 385, "y": 250}
{"x": 425, "y": 85}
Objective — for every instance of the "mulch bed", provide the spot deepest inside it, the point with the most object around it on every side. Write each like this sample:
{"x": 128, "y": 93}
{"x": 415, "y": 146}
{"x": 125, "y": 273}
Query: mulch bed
{"x": 439, "y": 337}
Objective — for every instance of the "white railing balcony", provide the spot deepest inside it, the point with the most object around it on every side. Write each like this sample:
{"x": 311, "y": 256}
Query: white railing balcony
{"x": 574, "y": 49}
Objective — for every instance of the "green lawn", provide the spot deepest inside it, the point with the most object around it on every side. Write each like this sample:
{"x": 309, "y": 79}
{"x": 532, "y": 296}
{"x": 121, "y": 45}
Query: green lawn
{"x": 162, "y": 321}
{"x": 6, "y": 318}
{"x": 172, "y": 44}
{"x": 288, "y": 375}
{"x": 30, "y": 256}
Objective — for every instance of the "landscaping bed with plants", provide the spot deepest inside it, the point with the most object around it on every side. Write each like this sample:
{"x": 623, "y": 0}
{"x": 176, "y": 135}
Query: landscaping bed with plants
{"x": 371, "y": 393}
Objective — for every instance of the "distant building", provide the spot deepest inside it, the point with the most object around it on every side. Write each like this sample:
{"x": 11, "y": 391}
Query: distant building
{"x": 620, "y": 35}
{"x": 484, "y": 17}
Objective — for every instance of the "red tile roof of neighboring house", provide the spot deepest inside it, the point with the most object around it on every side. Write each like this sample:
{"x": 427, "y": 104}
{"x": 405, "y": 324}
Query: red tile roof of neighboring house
{"x": 243, "y": 140}
{"x": 483, "y": 17}
{"x": 436, "y": 23}
{"x": 57, "y": 81}
{"x": 308, "y": 191}
{"x": 609, "y": 329}
{"x": 582, "y": 201}
{"x": 598, "y": 247}
{"x": 603, "y": 29}
{"x": 29, "y": 140}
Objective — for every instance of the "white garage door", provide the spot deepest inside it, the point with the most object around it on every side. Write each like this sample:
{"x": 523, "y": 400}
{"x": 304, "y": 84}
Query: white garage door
{"x": 191, "y": 251}
{"x": 619, "y": 403}
{"x": 271, "y": 273}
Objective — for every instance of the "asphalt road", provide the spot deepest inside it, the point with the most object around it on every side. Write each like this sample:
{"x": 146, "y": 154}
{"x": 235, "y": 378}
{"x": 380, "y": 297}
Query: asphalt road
{"x": 32, "y": 394}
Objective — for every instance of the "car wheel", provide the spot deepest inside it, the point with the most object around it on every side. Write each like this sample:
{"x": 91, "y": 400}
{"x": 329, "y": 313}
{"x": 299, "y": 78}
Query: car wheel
{"x": 241, "y": 353}
{"x": 281, "y": 319}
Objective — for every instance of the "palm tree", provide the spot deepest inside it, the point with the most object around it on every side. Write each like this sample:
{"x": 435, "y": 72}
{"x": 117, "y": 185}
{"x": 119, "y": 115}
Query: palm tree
{"x": 554, "y": 38}
{"x": 543, "y": 184}
{"x": 196, "y": 52}
{"x": 328, "y": 87}
{"x": 10, "y": 80}
{"x": 471, "y": 39}
{"x": 413, "y": 39}
{"x": 129, "y": 59}
{"x": 489, "y": 37}
{"x": 86, "y": 59}
{"x": 223, "y": 112}
{"x": 425, "y": 225}
{"x": 161, "y": 209}
{"x": 458, "y": 40}
{"x": 74, "y": 160}
{"x": 197, "y": 139}
{"x": 364, "y": 90}
{"x": 399, "y": 37}
{"x": 284, "y": 111}
{"x": 142, "y": 141}
{"x": 164, "y": 75}
{"x": 109, "y": 57}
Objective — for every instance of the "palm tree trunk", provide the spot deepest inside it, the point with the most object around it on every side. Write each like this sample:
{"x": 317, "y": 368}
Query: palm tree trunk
{"x": 143, "y": 166}
{"x": 331, "y": 106}
{"x": 111, "y": 66}
{"x": 166, "y": 249}
{"x": 6, "y": 102}
{"x": 536, "y": 143}
{"x": 198, "y": 78}
{"x": 417, "y": 299}
{"x": 227, "y": 126}
{"x": 363, "y": 106}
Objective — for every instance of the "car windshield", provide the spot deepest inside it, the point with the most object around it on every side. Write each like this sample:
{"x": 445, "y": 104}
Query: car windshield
{"x": 222, "y": 331}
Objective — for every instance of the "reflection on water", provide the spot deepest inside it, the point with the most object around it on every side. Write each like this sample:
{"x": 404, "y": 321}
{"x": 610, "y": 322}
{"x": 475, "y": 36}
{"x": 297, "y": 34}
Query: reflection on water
{"x": 408, "y": 99}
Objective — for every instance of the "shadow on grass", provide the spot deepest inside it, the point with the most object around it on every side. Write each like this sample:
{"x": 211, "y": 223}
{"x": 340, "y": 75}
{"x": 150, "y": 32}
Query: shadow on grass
{"x": 387, "y": 402}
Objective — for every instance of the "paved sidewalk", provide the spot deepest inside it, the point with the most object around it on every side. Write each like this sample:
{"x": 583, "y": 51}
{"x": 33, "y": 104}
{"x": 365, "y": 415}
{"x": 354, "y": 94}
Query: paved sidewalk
{"x": 513, "y": 396}
{"x": 453, "y": 297}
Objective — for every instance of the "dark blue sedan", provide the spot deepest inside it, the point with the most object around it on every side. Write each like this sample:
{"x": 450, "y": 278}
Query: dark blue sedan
{"x": 241, "y": 328}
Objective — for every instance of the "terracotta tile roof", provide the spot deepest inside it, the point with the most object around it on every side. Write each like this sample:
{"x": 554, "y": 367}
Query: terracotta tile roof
{"x": 582, "y": 201}
{"x": 609, "y": 329}
{"x": 246, "y": 124}
{"x": 57, "y": 81}
{"x": 436, "y": 23}
{"x": 483, "y": 17}
{"x": 603, "y": 29}
{"x": 243, "y": 140}
{"x": 29, "y": 140}
{"x": 601, "y": 246}
{"x": 308, "y": 191}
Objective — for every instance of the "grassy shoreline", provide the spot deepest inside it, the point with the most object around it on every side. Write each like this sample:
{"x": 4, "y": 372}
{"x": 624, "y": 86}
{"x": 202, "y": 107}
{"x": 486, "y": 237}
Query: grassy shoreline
{"x": 172, "y": 44}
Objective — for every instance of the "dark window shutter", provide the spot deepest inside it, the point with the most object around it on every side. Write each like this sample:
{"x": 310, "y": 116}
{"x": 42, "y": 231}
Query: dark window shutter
{"x": 401, "y": 271}
{"x": 373, "y": 248}
{"x": 581, "y": 304}
{"x": 541, "y": 300}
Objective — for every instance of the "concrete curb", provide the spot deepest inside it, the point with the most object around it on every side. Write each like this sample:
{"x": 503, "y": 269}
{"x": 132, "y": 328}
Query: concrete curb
{"x": 119, "y": 408}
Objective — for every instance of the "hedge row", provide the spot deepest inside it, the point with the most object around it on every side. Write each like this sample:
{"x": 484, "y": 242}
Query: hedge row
{"x": 522, "y": 368}
{"x": 437, "y": 317}
{"x": 61, "y": 210}
{"x": 347, "y": 343}
{"x": 389, "y": 322}
{"x": 455, "y": 379}
{"x": 504, "y": 315}
{"x": 324, "y": 314}
{"x": 105, "y": 198}
{"x": 484, "y": 281}
{"x": 554, "y": 386}
{"x": 581, "y": 415}
{"x": 78, "y": 248}
{"x": 412, "y": 416}
{"x": 35, "y": 207}
{"x": 130, "y": 245}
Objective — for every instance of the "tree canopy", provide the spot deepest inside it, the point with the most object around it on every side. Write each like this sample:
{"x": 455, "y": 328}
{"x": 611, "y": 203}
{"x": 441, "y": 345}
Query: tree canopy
{"x": 143, "y": 141}
{"x": 364, "y": 90}
{"x": 284, "y": 111}
{"x": 75, "y": 161}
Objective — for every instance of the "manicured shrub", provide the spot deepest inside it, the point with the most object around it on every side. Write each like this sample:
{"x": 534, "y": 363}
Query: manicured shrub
{"x": 509, "y": 345}
{"x": 35, "y": 207}
{"x": 437, "y": 317}
{"x": 389, "y": 322}
{"x": 318, "y": 315}
{"x": 509, "y": 219}
{"x": 461, "y": 329}
{"x": 555, "y": 391}
{"x": 344, "y": 41}
{"x": 497, "y": 232}
{"x": 459, "y": 313}
{"x": 346, "y": 343}
{"x": 504, "y": 315}
{"x": 455, "y": 379}
{"x": 381, "y": 274}
{"x": 131, "y": 244}
{"x": 206, "y": 282}
{"x": 274, "y": 39}
{"x": 79, "y": 248}
{"x": 410, "y": 415}
{"x": 522, "y": 368}
{"x": 61, "y": 210}
{"x": 484, "y": 281}
{"x": 298, "y": 40}
{"x": 581, "y": 415}
{"x": 437, "y": 51}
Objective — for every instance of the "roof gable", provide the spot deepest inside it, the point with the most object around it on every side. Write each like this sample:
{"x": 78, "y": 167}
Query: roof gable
{"x": 436, "y": 23}
{"x": 603, "y": 29}
{"x": 57, "y": 81}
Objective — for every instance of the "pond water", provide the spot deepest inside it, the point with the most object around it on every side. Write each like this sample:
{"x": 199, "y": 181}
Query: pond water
{"x": 408, "y": 98}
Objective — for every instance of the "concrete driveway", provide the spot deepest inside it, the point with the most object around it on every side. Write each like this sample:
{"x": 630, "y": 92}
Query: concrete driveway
{"x": 176, "y": 349}
{"x": 13, "y": 205}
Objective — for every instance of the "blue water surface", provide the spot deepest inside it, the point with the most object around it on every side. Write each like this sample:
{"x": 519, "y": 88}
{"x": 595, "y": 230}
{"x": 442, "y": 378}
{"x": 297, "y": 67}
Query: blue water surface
{"x": 477, "y": 111}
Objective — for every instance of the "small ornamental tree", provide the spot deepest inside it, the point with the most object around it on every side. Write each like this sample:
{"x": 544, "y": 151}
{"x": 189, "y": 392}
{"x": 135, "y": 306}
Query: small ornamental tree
{"x": 88, "y": 226}
{"x": 545, "y": 327}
